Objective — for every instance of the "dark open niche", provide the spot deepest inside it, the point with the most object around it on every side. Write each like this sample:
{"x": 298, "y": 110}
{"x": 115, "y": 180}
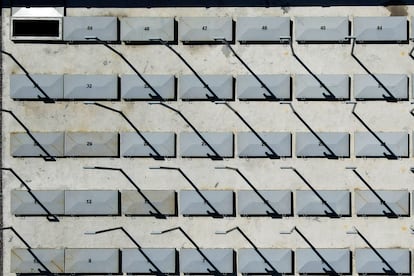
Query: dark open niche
{"x": 41, "y": 28}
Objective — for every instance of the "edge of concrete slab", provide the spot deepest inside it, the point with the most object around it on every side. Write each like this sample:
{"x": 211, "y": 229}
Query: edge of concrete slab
{"x": 1, "y": 161}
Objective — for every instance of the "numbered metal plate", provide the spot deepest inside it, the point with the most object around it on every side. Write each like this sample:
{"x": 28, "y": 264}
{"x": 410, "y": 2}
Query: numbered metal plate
{"x": 366, "y": 145}
{"x": 249, "y": 145}
{"x": 369, "y": 262}
{"x": 250, "y": 204}
{"x": 191, "y": 88}
{"x": 308, "y": 262}
{"x": 91, "y": 87}
{"x": 132, "y": 145}
{"x": 22, "y": 145}
{"x": 250, "y": 262}
{"x": 134, "y": 204}
{"x": 381, "y": 29}
{"x": 134, "y": 261}
{"x": 77, "y": 28}
{"x": 321, "y": 29}
{"x": 309, "y": 204}
{"x": 92, "y": 202}
{"x": 23, "y": 262}
{"x": 143, "y": 29}
{"x": 21, "y": 88}
{"x": 367, "y": 88}
{"x": 204, "y": 29}
{"x": 192, "y": 204}
{"x": 191, "y": 260}
{"x": 307, "y": 145}
{"x": 133, "y": 88}
{"x": 309, "y": 88}
{"x": 92, "y": 260}
{"x": 91, "y": 144}
{"x": 262, "y": 29}
{"x": 249, "y": 88}
{"x": 191, "y": 144}
{"x": 368, "y": 204}
{"x": 23, "y": 204}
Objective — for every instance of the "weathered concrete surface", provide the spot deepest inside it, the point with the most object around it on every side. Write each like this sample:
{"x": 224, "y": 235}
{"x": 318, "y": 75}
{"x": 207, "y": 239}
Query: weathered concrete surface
{"x": 264, "y": 116}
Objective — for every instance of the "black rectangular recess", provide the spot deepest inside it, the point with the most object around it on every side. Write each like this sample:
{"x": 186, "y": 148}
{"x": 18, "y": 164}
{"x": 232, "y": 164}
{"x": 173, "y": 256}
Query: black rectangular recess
{"x": 36, "y": 28}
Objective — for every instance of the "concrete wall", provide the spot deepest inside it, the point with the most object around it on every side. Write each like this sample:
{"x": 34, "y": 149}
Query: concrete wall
{"x": 264, "y": 116}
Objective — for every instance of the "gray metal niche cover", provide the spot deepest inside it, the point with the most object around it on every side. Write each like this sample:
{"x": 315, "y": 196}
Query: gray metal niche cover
{"x": 23, "y": 262}
{"x": 21, "y": 88}
{"x": 23, "y": 204}
{"x": 307, "y": 145}
{"x": 366, "y": 145}
{"x": 262, "y": 29}
{"x": 134, "y": 204}
{"x": 368, "y": 262}
{"x": 133, "y": 88}
{"x": 309, "y": 204}
{"x": 250, "y": 204}
{"x": 90, "y": 87}
{"x": 191, "y": 88}
{"x": 321, "y": 29}
{"x": 308, "y": 88}
{"x": 248, "y": 145}
{"x": 249, "y": 88}
{"x": 91, "y": 144}
{"x": 142, "y": 29}
{"x": 204, "y": 29}
{"x": 412, "y": 27}
{"x": 192, "y": 204}
{"x": 412, "y": 76}
{"x": 92, "y": 260}
{"x": 92, "y": 202}
{"x": 367, "y": 204}
{"x": 134, "y": 262}
{"x": 192, "y": 262}
{"x": 21, "y": 145}
{"x": 367, "y": 88}
{"x": 250, "y": 262}
{"x": 76, "y": 28}
{"x": 308, "y": 262}
{"x": 381, "y": 29}
{"x": 132, "y": 145}
{"x": 192, "y": 146}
